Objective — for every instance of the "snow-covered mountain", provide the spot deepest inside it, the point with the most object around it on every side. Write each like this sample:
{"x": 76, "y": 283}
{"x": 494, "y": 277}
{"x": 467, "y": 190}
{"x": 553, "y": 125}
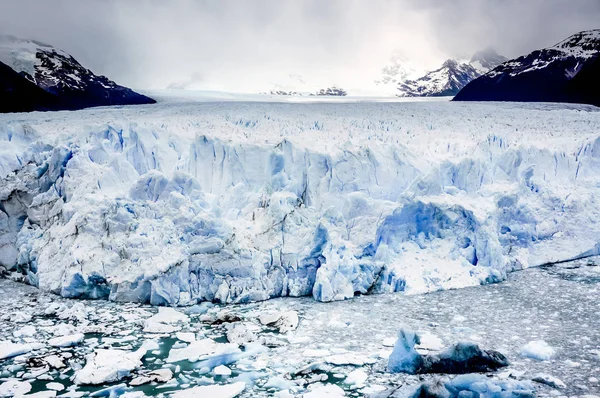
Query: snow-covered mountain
{"x": 18, "y": 94}
{"x": 296, "y": 85}
{"x": 71, "y": 85}
{"x": 486, "y": 59}
{"x": 445, "y": 81}
{"x": 398, "y": 70}
{"x": 566, "y": 72}
{"x": 451, "y": 77}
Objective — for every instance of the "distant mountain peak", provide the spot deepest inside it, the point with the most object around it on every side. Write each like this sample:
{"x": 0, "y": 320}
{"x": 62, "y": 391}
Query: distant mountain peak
{"x": 445, "y": 81}
{"x": 486, "y": 59}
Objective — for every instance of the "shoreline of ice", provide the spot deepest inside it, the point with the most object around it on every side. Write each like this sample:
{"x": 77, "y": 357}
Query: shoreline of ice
{"x": 237, "y": 201}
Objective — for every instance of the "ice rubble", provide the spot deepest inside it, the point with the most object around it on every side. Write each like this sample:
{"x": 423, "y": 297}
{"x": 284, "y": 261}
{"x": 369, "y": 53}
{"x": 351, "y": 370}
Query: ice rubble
{"x": 236, "y": 202}
{"x": 462, "y": 357}
{"x": 216, "y": 391}
{"x": 468, "y": 385}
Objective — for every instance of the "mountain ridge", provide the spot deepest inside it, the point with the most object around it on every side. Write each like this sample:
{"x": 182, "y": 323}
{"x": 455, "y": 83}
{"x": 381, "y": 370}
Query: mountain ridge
{"x": 59, "y": 74}
{"x": 568, "y": 71}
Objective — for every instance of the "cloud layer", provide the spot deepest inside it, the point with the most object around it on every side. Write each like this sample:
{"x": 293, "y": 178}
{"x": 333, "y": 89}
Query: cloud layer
{"x": 250, "y": 45}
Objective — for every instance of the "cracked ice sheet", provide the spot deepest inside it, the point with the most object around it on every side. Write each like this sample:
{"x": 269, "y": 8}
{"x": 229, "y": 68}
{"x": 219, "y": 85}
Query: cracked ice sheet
{"x": 240, "y": 201}
{"x": 554, "y": 304}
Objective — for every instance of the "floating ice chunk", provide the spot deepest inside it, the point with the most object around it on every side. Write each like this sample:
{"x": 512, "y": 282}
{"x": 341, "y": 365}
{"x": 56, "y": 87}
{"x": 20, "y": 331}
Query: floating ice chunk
{"x": 225, "y": 354}
{"x": 151, "y": 345}
{"x": 222, "y": 370}
{"x": 107, "y": 366}
{"x": 199, "y": 309}
{"x": 283, "y": 394}
{"x": 14, "y": 388}
{"x": 133, "y": 394}
{"x": 404, "y": 357}
{"x": 538, "y": 350}
{"x": 348, "y": 359}
{"x": 20, "y": 317}
{"x": 66, "y": 341}
{"x": 279, "y": 383}
{"x": 429, "y": 342}
{"x": 8, "y": 349}
{"x": 193, "y": 351}
{"x": 327, "y": 391}
{"x": 240, "y": 333}
{"x": 54, "y": 361}
{"x": 357, "y": 378}
{"x": 187, "y": 337}
{"x": 112, "y": 391}
{"x": 549, "y": 380}
{"x": 63, "y": 329}
{"x": 315, "y": 353}
{"x": 26, "y": 331}
{"x": 76, "y": 312}
{"x": 285, "y": 321}
{"x": 165, "y": 321}
{"x": 42, "y": 394}
{"x": 463, "y": 357}
{"x": 55, "y": 386}
{"x": 468, "y": 385}
{"x": 158, "y": 375}
{"x": 170, "y": 315}
{"x": 216, "y": 391}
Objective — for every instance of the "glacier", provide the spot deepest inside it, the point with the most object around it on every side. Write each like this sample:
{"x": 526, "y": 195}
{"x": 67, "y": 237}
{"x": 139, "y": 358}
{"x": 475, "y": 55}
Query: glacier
{"x": 238, "y": 201}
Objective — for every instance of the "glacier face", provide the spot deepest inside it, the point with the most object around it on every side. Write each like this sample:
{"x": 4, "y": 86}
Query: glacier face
{"x": 236, "y": 201}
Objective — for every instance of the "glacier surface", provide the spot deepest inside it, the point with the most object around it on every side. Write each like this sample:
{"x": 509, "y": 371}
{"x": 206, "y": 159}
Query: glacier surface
{"x": 234, "y": 202}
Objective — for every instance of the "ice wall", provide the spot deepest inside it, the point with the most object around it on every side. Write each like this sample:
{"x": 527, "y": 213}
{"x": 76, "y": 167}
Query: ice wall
{"x": 152, "y": 213}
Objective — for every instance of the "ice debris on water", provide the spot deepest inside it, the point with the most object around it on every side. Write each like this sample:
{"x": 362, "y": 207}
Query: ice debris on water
{"x": 326, "y": 391}
{"x": 158, "y": 375}
{"x": 13, "y": 387}
{"x": 468, "y": 385}
{"x": 66, "y": 341}
{"x": 8, "y": 349}
{"x": 193, "y": 351}
{"x": 215, "y": 391}
{"x": 107, "y": 366}
{"x": 463, "y": 357}
{"x": 222, "y": 370}
{"x": 404, "y": 357}
{"x": 167, "y": 320}
{"x": 538, "y": 350}
{"x": 549, "y": 380}
{"x": 285, "y": 321}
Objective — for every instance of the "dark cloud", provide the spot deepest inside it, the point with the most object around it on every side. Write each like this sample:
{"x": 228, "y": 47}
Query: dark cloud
{"x": 148, "y": 43}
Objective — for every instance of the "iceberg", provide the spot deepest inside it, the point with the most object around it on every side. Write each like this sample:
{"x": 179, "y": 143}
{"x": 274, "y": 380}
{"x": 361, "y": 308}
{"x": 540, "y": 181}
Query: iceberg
{"x": 107, "y": 366}
{"x": 238, "y": 202}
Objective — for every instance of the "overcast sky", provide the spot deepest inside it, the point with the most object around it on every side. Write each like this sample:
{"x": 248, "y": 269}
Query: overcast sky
{"x": 253, "y": 43}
